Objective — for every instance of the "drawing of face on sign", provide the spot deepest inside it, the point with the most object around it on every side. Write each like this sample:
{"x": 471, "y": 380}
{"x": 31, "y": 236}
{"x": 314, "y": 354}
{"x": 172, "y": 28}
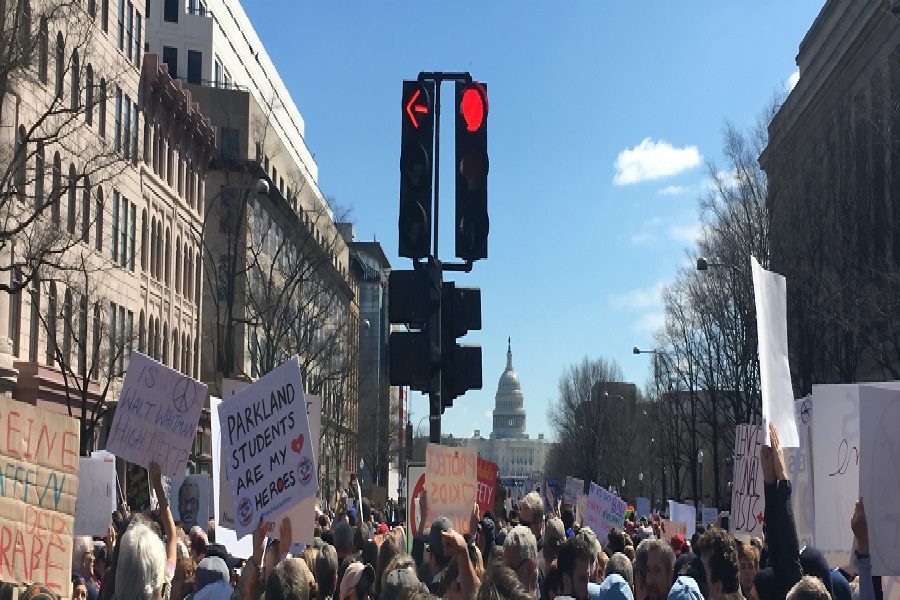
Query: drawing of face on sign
{"x": 191, "y": 505}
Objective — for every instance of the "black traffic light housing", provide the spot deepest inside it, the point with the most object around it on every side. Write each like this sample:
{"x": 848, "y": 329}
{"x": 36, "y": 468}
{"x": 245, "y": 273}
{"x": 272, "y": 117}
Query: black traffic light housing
{"x": 460, "y": 363}
{"x": 414, "y": 300}
{"x": 472, "y": 165}
{"x": 416, "y": 169}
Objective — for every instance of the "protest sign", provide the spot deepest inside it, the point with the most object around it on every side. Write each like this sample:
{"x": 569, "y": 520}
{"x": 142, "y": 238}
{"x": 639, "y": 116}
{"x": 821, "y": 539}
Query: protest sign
{"x": 770, "y": 293}
{"x": 603, "y": 511}
{"x": 223, "y": 502}
{"x": 137, "y": 486}
{"x": 708, "y": 515}
{"x": 39, "y": 467}
{"x": 669, "y": 529}
{"x": 685, "y": 514}
{"x": 156, "y": 416}
{"x": 451, "y": 478}
{"x": 415, "y": 484}
{"x": 96, "y": 499}
{"x": 574, "y": 489}
{"x": 268, "y": 447}
{"x": 879, "y": 453}
{"x": 835, "y": 463}
{"x": 748, "y": 492}
{"x": 189, "y": 500}
{"x": 800, "y": 471}
{"x": 641, "y": 507}
{"x": 487, "y": 484}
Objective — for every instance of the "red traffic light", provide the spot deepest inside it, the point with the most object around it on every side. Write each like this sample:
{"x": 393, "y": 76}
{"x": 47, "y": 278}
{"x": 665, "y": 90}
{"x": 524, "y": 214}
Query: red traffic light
{"x": 414, "y": 107}
{"x": 473, "y": 106}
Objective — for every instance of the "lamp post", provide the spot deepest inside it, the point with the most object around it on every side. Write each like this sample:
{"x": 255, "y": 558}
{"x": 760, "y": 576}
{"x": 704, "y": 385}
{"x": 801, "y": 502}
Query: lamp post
{"x": 700, "y": 470}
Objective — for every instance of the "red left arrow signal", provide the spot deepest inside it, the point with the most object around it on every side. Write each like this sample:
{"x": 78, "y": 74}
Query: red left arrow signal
{"x": 412, "y": 108}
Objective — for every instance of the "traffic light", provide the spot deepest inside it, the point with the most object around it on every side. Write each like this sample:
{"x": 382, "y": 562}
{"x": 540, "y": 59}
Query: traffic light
{"x": 460, "y": 363}
{"x": 416, "y": 169}
{"x": 472, "y": 223}
{"x": 414, "y": 299}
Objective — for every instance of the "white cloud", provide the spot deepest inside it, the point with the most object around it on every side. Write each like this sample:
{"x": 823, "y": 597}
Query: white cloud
{"x": 653, "y": 160}
{"x": 791, "y": 81}
{"x": 687, "y": 234}
{"x": 673, "y": 190}
{"x": 640, "y": 298}
{"x": 728, "y": 179}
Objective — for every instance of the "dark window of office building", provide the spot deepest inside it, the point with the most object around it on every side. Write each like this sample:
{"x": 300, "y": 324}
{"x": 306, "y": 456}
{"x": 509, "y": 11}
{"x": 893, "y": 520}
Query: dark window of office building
{"x": 195, "y": 66}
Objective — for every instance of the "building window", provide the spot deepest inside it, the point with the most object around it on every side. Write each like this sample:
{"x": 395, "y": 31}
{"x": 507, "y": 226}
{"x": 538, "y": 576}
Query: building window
{"x": 123, "y": 234}
{"x": 75, "y": 84}
{"x": 118, "y": 122}
{"x": 112, "y": 338}
{"x": 67, "y": 330}
{"x": 144, "y": 241}
{"x": 195, "y": 67}
{"x": 101, "y": 119}
{"x": 72, "y": 193}
{"x": 121, "y": 24}
{"x": 138, "y": 47}
{"x": 134, "y": 132}
{"x": 89, "y": 95}
{"x": 43, "y": 49}
{"x": 132, "y": 233}
{"x": 217, "y": 74}
{"x": 56, "y": 191}
{"x": 92, "y": 8}
{"x": 34, "y": 321}
{"x": 126, "y": 129}
{"x": 228, "y": 142}
{"x": 51, "y": 325}
{"x": 98, "y": 224}
{"x": 129, "y": 339}
{"x": 86, "y": 210}
{"x": 130, "y": 52}
{"x": 115, "y": 227}
{"x": 170, "y": 10}
{"x": 82, "y": 336}
{"x": 104, "y": 14}
{"x": 168, "y": 257}
{"x": 170, "y": 58}
{"x": 142, "y": 333}
{"x": 60, "y": 64}
{"x": 15, "y": 309}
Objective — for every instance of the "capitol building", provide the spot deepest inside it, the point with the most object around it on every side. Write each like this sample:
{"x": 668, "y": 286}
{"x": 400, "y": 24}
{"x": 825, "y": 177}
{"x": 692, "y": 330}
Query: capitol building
{"x": 519, "y": 457}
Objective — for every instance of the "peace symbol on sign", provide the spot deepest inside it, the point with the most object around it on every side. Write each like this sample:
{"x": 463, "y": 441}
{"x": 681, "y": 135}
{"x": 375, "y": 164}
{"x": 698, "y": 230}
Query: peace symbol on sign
{"x": 806, "y": 411}
{"x": 184, "y": 395}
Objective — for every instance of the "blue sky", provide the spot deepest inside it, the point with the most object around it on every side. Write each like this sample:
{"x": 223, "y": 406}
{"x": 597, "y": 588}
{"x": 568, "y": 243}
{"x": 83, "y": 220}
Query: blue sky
{"x": 603, "y": 115}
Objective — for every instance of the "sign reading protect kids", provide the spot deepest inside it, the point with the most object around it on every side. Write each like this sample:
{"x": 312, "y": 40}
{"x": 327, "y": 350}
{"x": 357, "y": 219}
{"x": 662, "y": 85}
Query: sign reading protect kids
{"x": 156, "y": 417}
{"x": 38, "y": 485}
{"x": 267, "y": 446}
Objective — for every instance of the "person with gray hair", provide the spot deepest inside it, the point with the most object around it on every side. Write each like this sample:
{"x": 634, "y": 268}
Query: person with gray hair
{"x": 654, "y": 567}
{"x": 809, "y": 588}
{"x": 83, "y": 563}
{"x": 289, "y": 580}
{"x": 531, "y": 513}
{"x": 619, "y": 564}
{"x": 326, "y": 570}
{"x": 520, "y": 555}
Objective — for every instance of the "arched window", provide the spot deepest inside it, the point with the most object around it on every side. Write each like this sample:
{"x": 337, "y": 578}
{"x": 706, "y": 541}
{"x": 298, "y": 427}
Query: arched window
{"x": 73, "y": 199}
{"x": 187, "y": 283}
{"x": 56, "y": 190}
{"x": 40, "y": 168}
{"x": 159, "y": 250}
{"x": 176, "y": 350}
{"x": 142, "y": 333}
{"x": 196, "y": 364}
{"x": 86, "y": 210}
{"x": 75, "y": 83}
{"x": 97, "y": 326}
{"x": 89, "y": 94}
{"x": 43, "y": 49}
{"x": 151, "y": 337}
{"x": 144, "y": 240}
{"x": 197, "y": 267}
{"x": 153, "y": 246}
{"x": 178, "y": 265}
{"x": 157, "y": 343}
{"x": 67, "y": 330}
{"x": 21, "y": 163}
{"x": 185, "y": 354}
{"x": 60, "y": 64}
{"x": 51, "y": 325}
{"x": 148, "y": 141}
{"x": 165, "y": 344}
{"x": 15, "y": 309}
{"x": 92, "y": 8}
{"x": 82, "y": 336}
{"x": 101, "y": 108}
{"x": 34, "y": 320}
{"x": 168, "y": 257}
{"x": 98, "y": 222}
{"x": 23, "y": 27}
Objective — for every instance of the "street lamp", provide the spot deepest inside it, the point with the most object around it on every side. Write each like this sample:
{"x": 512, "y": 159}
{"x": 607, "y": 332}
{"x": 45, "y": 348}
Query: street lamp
{"x": 700, "y": 469}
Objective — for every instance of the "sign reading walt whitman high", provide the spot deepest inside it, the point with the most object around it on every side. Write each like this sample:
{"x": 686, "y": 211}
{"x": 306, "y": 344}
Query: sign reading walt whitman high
{"x": 269, "y": 460}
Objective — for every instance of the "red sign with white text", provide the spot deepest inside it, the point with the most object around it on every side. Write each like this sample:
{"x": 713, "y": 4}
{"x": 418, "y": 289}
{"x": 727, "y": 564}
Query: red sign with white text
{"x": 487, "y": 484}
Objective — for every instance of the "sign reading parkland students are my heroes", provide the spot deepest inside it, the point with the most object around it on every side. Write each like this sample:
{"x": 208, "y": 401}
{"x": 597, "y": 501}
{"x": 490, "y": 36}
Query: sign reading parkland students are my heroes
{"x": 156, "y": 416}
{"x": 38, "y": 486}
{"x": 266, "y": 442}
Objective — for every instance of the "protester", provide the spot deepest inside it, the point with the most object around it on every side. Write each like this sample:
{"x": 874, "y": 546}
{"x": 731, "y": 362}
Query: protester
{"x": 520, "y": 555}
{"x": 531, "y": 514}
{"x": 620, "y": 565}
{"x": 748, "y": 559}
{"x": 83, "y": 564}
{"x": 554, "y": 536}
{"x": 684, "y": 588}
{"x": 614, "y": 587}
{"x": 654, "y": 566}
{"x": 810, "y": 587}
{"x": 79, "y": 588}
{"x": 719, "y": 554}
{"x": 502, "y": 583}
{"x": 289, "y": 580}
{"x": 575, "y": 561}
{"x": 326, "y": 572}
{"x": 356, "y": 582}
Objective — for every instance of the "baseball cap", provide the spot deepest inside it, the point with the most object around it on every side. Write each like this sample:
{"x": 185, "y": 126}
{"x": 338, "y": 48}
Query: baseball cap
{"x": 436, "y": 538}
{"x": 355, "y": 573}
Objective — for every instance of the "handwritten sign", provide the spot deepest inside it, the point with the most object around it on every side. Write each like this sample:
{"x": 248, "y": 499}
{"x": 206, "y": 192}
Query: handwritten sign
{"x": 670, "y": 529}
{"x": 685, "y": 514}
{"x": 138, "y": 488}
{"x": 415, "y": 484}
{"x": 223, "y": 501}
{"x": 879, "y": 422}
{"x": 835, "y": 463}
{"x": 603, "y": 511}
{"x": 574, "y": 489}
{"x": 96, "y": 499}
{"x": 641, "y": 507}
{"x": 748, "y": 493}
{"x": 38, "y": 485}
{"x": 451, "y": 478}
{"x": 156, "y": 416}
{"x": 487, "y": 484}
{"x": 800, "y": 471}
{"x": 266, "y": 442}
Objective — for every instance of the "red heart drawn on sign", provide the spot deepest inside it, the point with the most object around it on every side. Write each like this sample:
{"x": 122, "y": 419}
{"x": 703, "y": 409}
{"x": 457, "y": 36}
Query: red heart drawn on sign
{"x": 297, "y": 444}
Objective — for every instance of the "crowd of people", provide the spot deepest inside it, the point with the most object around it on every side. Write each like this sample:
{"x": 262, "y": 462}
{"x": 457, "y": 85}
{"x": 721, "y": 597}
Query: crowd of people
{"x": 523, "y": 554}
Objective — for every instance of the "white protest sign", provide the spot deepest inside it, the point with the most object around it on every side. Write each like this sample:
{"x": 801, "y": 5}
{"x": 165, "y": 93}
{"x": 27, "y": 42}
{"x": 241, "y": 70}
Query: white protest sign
{"x": 641, "y": 507}
{"x": 770, "y": 293}
{"x": 223, "y": 502}
{"x": 451, "y": 479}
{"x": 574, "y": 489}
{"x": 835, "y": 463}
{"x": 748, "y": 491}
{"x": 267, "y": 447}
{"x": 156, "y": 416}
{"x": 800, "y": 471}
{"x": 189, "y": 500}
{"x": 879, "y": 485}
{"x": 684, "y": 514}
{"x": 96, "y": 499}
{"x": 603, "y": 511}
{"x": 708, "y": 515}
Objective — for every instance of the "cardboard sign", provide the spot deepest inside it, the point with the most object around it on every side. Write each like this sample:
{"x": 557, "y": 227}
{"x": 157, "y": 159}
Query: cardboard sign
{"x": 574, "y": 489}
{"x": 748, "y": 502}
{"x": 223, "y": 501}
{"x": 415, "y": 484}
{"x": 879, "y": 456}
{"x": 267, "y": 445}
{"x": 685, "y": 514}
{"x": 156, "y": 416}
{"x": 189, "y": 500}
{"x": 96, "y": 500}
{"x": 770, "y": 293}
{"x": 487, "y": 484}
{"x": 669, "y": 528}
{"x": 641, "y": 507}
{"x": 835, "y": 463}
{"x": 800, "y": 471}
{"x": 451, "y": 478}
{"x": 603, "y": 511}
{"x": 38, "y": 485}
